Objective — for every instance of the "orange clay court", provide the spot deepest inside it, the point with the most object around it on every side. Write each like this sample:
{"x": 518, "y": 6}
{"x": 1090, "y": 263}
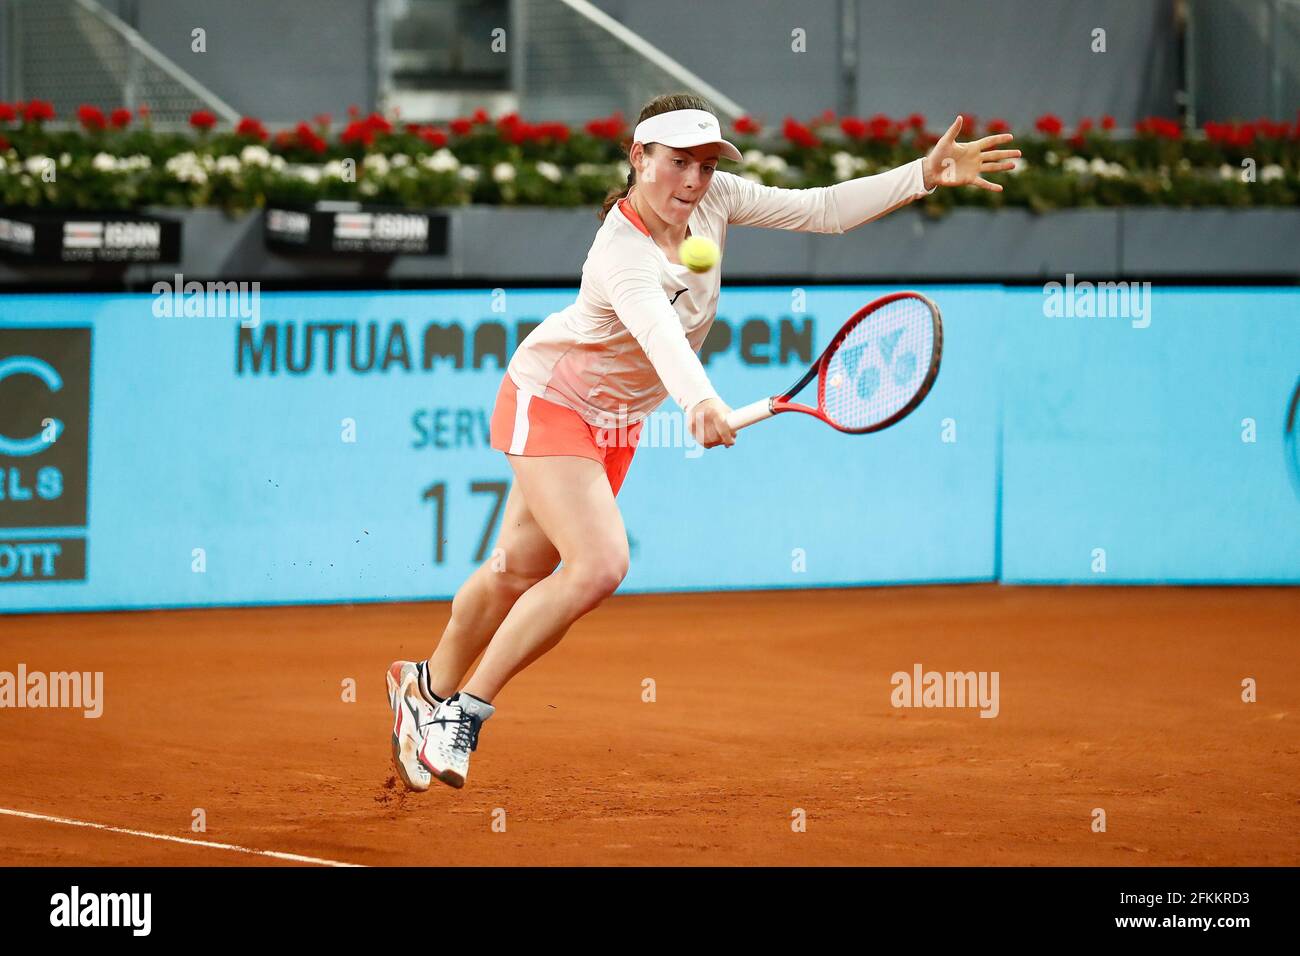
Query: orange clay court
{"x": 1127, "y": 699}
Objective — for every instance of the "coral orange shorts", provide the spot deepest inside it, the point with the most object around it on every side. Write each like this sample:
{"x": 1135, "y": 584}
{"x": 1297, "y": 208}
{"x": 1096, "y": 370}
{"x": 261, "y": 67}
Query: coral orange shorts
{"x": 523, "y": 424}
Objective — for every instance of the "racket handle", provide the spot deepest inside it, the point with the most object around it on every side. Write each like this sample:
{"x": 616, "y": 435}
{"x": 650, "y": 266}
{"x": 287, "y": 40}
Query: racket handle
{"x": 738, "y": 418}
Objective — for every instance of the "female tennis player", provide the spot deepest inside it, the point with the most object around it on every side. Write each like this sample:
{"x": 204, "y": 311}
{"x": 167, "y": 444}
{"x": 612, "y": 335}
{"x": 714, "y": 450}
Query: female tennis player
{"x": 596, "y": 369}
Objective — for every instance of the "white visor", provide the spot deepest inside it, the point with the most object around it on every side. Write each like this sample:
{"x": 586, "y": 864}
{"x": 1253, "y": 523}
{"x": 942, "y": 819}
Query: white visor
{"x": 682, "y": 129}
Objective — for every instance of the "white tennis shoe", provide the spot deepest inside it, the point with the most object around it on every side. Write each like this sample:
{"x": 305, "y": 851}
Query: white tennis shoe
{"x": 452, "y": 736}
{"x": 412, "y": 717}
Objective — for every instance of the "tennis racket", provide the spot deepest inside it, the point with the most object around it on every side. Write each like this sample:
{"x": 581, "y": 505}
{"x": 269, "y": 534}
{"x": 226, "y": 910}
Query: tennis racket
{"x": 875, "y": 372}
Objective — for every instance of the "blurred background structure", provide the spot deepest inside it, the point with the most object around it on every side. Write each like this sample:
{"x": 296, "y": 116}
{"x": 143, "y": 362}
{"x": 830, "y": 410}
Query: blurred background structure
{"x": 569, "y": 60}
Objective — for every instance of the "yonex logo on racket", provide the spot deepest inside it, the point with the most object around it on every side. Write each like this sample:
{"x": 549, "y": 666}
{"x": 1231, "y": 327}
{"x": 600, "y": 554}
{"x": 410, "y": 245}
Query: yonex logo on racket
{"x": 858, "y": 372}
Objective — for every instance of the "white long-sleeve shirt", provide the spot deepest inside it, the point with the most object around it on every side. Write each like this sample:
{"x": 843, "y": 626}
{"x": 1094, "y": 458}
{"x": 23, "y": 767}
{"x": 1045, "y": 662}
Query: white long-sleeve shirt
{"x": 631, "y": 337}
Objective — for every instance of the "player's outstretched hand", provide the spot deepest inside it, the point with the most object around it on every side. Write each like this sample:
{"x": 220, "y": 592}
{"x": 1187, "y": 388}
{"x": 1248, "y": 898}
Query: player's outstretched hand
{"x": 951, "y": 163}
{"x": 708, "y": 423}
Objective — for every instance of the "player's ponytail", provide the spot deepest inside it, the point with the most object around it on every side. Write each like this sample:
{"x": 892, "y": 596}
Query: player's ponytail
{"x": 660, "y": 104}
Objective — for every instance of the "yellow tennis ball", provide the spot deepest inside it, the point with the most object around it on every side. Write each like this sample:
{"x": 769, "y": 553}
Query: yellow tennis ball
{"x": 699, "y": 253}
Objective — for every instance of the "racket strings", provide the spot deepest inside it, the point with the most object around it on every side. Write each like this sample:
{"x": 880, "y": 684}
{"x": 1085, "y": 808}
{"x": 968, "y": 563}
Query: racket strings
{"x": 879, "y": 366}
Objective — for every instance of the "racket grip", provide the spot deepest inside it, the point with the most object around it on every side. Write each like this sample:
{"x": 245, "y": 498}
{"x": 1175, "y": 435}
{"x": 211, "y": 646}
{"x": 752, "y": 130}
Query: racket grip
{"x": 738, "y": 418}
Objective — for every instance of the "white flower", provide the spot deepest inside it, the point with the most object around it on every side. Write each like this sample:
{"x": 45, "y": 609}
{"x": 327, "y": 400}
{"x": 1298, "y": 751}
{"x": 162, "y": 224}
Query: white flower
{"x": 186, "y": 168}
{"x": 368, "y": 187}
{"x": 1227, "y": 172}
{"x": 846, "y": 165}
{"x": 469, "y": 173}
{"x": 588, "y": 169}
{"x": 549, "y": 171}
{"x": 623, "y": 169}
{"x": 400, "y": 159}
{"x": 1184, "y": 164}
{"x": 208, "y": 162}
{"x": 332, "y": 170}
{"x": 254, "y": 155}
{"x": 38, "y": 164}
{"x": 229, "y": 165}
{"x": 1020, "y": 165}
{"x": 752, "y": 177}
{"x": 753, "y": 157}
{"x": 277, "y": 163}
{"x": 1077, "y": 165}
{"x": 1051, "y": 158}
{"x": 65, "y": 159}
{"x": 1099, "y": 167}
{"x": 503, "y": 173}
{"x": 443, "y": 161}
{"x": 775, "y": 164}
{"x": 1271, "y": 172}
{"x": 103, "y": 162}
{"x": 139, "y": 161}
{"x": 308, "y": 174}
{"x": 376, "y": 164}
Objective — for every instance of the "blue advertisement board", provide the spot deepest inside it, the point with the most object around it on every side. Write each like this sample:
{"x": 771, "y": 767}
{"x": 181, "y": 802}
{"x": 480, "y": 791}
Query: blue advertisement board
{"x": 334, "y": 447}
{"x": 1151, "y": 448}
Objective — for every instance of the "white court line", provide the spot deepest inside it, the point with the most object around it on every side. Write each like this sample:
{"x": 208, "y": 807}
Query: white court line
{"x": 293, "y": 857}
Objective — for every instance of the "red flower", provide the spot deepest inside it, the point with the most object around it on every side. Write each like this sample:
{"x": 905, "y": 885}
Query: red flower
{"x": 434, "y": 137}
{"x": 969, "y": 124}
{"x": 37, "y": 111}
{"x": 7, "y": 113}
{"x": 611, "y": 128}
{"x": 460, "y": 126}
{"x": 323, "y": 120}
{"x": 996, "y": 126}
{"x": 354, "y": 111}
{"x": 1108, "y": 123}
{"x": 1267, "y": 129}
{"x": 480, "y": 117}
{"x": 143, "y": 112}
{"x": 797, "y": 133}
{"x": 307, "y": 138}
{"x": 556, "y": 132}
{"x": 284, "y": 139}
{"x": 252, "y": 128}
{"x": 120, "y": 118}
{"x": 1049, "y": 125}
{"x": 520, "y": 132}
{"x": 91, "y": 118}
{"x": 747, "y": 126}
{"x": 357, "y": 131}
{"x": 916, "y": 121}
{"x": 378, "y": 123}
{"x": 853, "y": 128}
{"x": 882, "y": 127}
{"x": 1159, "y": 127}
{"x": 202, "y": 120}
